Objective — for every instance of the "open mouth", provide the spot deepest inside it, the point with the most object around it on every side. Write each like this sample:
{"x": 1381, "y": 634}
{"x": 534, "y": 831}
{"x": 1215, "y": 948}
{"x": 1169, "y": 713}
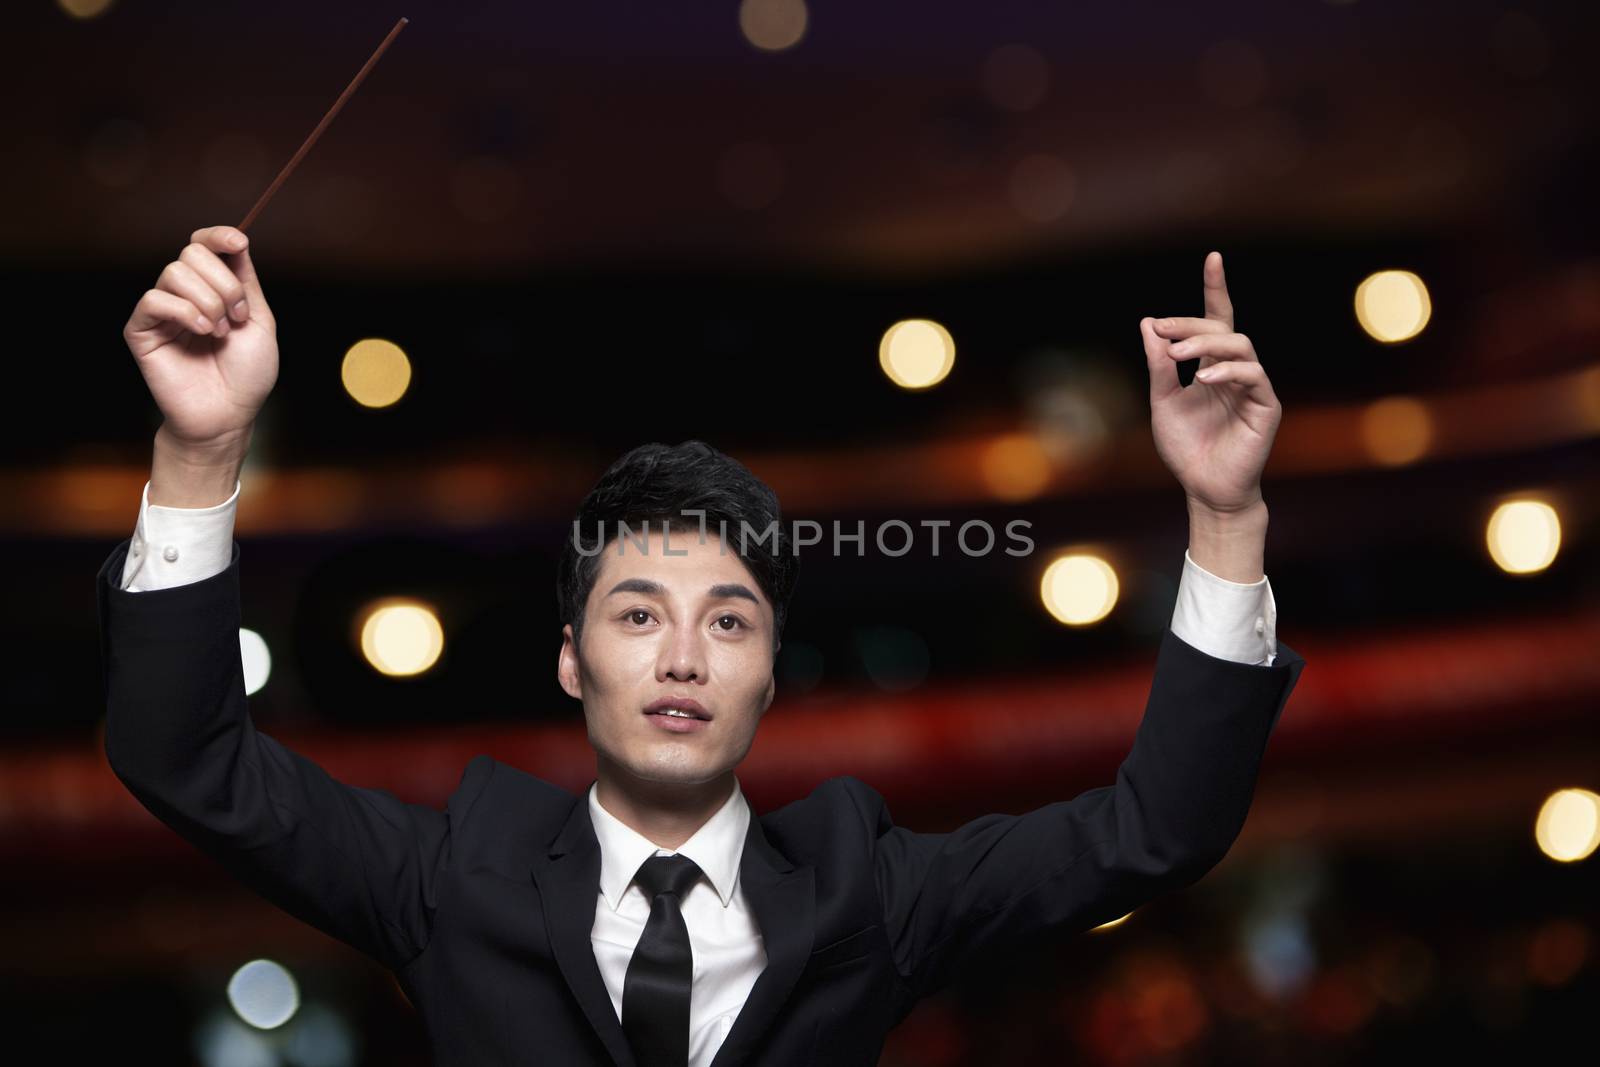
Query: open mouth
{"x": 678, "y": 708}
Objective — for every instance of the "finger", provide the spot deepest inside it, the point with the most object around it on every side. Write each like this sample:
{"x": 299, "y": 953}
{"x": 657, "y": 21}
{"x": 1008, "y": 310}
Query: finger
{"x": 1163, "y": 371}
{"x": 168, "y": 312}
{"x": 1250, "y": 377}
{"x": 182, "y": 279}
{"x": 218, "y": 275}
{"x": 235, "y": 243}
{"x": 1218, "y": 306}
{"x": 1179, "y": 327}
{"x": 220, "y": 238}
{"x": 256, "y": 300}
{"x": 1215, "y": 345}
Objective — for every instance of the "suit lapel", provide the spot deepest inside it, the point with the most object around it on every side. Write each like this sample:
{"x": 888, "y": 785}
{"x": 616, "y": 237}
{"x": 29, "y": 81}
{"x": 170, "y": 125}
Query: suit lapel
{"x": 783, "y": 898}
{"x": 568, "y": 876}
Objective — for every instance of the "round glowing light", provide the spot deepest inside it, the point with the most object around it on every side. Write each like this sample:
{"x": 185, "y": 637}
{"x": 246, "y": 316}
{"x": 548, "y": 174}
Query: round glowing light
{"x": 1079, "y": 589}
{"x": 401, "y": 637}
{"x": 375, "y": 372}
{"x": 256, "y": 658}
{"x": 1393, "y": 305}
{"x": 1568, "y": 826}
{"x": 916, "y": 353}
{"x": 264, "y": 994}
{"x": 1396, "y": 430}
{"x": 1524, "y": 536}
{"x": 773, "y": 25}
{"x": 1016, "y": 467}
{"x": 84, "y": 9}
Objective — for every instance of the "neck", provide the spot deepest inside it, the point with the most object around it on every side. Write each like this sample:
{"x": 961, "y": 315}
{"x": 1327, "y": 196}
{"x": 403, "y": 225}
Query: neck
{"x": 665, "y": 813}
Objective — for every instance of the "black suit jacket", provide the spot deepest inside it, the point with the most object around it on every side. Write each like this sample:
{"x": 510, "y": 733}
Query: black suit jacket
{"x": 483, "y": 910}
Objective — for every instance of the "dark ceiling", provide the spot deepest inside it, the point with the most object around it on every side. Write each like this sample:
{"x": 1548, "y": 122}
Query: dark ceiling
{"x": 894, "y": 137}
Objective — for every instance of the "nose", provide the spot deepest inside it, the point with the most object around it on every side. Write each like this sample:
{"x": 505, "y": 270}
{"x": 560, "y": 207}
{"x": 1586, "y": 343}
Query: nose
{"x": 682, "y": 656}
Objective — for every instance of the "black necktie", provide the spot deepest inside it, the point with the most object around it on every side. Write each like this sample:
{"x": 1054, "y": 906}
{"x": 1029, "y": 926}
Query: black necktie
{"x": 655, "y": 993}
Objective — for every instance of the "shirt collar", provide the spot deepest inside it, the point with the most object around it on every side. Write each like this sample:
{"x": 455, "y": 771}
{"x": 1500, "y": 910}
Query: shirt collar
{"x": 715, "y": 848}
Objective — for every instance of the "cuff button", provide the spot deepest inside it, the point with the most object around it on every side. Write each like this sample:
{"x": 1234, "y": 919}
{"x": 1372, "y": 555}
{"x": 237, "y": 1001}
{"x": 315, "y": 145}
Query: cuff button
{"x": 1261, "y": 626}
{"x": 170, "y": 554}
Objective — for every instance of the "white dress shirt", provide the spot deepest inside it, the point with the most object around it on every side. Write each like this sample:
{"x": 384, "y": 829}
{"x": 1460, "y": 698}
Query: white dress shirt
{"x": 729, "y": 951}
{"x": 1229, "y": 620}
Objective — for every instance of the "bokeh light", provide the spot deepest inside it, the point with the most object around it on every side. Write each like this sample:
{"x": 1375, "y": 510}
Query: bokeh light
{"x": 84, "y": 9}
{"x": 1524, "y": 536}
{"x": 1396, "y": 430}
{"x": 264, "y": 994}
{"x": 1016, "y": 467}
{"x": 1568, "y": 826}
{"x": 256, "y": 658}
{"x": 375, "y": 372}
{"x": 401, "y": 637}
{"x": 773, "y": 25}
{"x": 916, "y": 353}
{"x": 1079, "y": 589}
{"x": 1393, "y": 305}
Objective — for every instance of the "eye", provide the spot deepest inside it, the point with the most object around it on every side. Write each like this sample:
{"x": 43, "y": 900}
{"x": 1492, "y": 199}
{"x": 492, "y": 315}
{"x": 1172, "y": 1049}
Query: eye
{"x": 740, "y": 623}
{"x": 636, "y": 611}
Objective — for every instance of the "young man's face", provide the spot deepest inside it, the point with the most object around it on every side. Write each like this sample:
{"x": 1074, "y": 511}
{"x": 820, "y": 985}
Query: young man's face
{"x": 694, "y": 626}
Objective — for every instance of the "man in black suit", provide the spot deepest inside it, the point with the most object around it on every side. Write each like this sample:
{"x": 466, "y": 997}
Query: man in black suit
{"x": 657, "y": 919}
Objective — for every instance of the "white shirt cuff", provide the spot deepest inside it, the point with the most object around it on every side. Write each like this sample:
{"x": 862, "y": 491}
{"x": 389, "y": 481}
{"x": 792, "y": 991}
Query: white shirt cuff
{"x": 1229, "y": 620}
{"x": 177, "y": 546}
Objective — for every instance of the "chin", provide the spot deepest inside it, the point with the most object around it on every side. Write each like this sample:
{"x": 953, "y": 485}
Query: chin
{"x": 675, "y": 767}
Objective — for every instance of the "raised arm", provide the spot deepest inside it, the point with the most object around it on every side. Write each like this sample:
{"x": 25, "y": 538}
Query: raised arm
{"x": 1181, "y": 796}
{"x": 359, "y": 864}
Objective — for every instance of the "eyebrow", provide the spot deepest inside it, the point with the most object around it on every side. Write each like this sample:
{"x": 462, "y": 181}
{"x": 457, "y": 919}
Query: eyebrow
{"x": 724, "y": 591}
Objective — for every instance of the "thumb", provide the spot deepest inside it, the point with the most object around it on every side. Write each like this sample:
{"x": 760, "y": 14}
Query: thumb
{"x": 1163, "y": 369}
{"x": 245, "y": 270}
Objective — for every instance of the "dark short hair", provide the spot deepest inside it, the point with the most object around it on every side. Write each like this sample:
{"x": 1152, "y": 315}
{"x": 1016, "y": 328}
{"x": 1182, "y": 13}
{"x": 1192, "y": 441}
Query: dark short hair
{"x": 658, "y": 484}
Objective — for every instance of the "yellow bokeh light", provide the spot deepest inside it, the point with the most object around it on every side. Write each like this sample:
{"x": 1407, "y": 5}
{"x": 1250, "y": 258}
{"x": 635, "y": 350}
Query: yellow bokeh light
{"x": 1110, "y": 925}
{"x": 1568, "y": 826}
{"x": 1079, "y": 589}
{"x": 84, "y": 9}
{"x": 401, "y": 637}
{"x": 1016, "y": 467}
{"x": 1393, "y": 305}
{"x": 1587, "y": 395}
{"x": 916, "y": 353}
{"x": 1396, "y": 430}
{"x": 773, "y": 25}
{"x": 1524, "y": 536}
{"x": 375, "y": 372}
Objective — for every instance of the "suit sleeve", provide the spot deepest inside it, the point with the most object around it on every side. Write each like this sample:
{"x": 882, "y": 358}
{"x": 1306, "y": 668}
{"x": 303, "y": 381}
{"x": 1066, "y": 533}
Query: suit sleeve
{"x": 358, "y": 864}
{"x": 1180, "y": 799}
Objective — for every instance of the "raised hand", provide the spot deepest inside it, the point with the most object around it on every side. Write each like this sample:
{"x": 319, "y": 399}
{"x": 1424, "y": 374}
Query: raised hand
{"x": 206, "y": 342}
{"x": 1215, "y": 434}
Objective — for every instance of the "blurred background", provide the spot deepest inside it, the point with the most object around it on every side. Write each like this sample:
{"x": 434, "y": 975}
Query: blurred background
{"x": 893, "y": 257}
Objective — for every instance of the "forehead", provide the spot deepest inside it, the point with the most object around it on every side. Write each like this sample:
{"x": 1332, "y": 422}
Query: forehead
{"x": 689, "y": 571}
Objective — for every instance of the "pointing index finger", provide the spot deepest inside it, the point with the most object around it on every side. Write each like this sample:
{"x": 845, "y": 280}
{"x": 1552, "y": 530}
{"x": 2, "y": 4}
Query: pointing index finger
{"x": 1218, "y": 306}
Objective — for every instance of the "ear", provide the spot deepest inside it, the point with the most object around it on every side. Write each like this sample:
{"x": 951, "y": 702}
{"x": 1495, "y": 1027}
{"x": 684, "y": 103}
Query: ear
{"x": 567, "y": 672}
{"x": 772, "y": 690}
